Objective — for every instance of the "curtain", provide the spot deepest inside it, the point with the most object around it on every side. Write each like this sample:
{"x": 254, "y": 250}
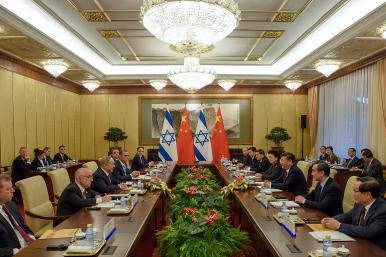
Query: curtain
{"x": 313, "y": 120}
{"x": 377, "y": 113}
{"x": 343, "y": 111}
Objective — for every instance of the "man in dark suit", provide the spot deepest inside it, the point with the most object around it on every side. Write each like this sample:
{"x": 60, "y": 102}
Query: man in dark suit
{"x": 114, "y": 153}
{"x": 327, "y": 196}
{"x": 252, "y": 155}
{"x": 352, "y": 161}
{"x": 103, "y": 180}
{"x": 122, "y": 170}
{"x": 262, "y": 161}
{"x": 61, "y": 156}
{"x": 373, "y": 168}
{"x": 323, "y": 155}
{"x": 368, "y": 217}
{"x": 291, "y": 179}
{"x": 246, "y": 158}
{"x": 14, "y": 234}
{"x": 78, "y": 194}
{"x": 47, "y": 158}
{"x": 21, "y": 166}
{"x": 139, "y": 161}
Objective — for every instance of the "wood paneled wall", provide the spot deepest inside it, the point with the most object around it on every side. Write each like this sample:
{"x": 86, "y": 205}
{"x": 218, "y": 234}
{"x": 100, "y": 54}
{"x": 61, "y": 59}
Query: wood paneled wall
{"x": 99, "y": 112}
{"x": 35, "y": 114}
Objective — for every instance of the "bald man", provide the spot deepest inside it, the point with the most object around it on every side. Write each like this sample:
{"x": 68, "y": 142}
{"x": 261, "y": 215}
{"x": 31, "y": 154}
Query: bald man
{"x": 78, "y": 194}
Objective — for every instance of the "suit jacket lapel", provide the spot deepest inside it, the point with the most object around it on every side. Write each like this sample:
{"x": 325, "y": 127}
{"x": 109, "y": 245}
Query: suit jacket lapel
{"x": 9, "y": 228}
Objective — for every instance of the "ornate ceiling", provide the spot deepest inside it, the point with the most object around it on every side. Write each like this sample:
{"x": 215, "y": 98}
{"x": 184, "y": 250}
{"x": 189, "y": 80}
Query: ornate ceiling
{"x": 269, "y": 32}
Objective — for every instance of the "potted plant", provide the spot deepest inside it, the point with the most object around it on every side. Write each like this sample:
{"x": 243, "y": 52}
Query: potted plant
{"x": 115, "y": 135}
{"x": 278, "y": 136}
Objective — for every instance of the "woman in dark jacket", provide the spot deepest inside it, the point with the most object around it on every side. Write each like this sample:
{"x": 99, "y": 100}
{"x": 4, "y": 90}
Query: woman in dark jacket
{"x": 274, "y": 171}
{"x": 38, "y": 161}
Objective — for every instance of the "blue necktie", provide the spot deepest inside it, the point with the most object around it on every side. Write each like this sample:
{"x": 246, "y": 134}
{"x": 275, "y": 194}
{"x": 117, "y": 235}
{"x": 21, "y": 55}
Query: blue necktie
{"x": 318, "y": 193}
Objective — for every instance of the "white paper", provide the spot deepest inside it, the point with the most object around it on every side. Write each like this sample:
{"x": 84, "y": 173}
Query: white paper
{"x": 336, "y": 236}
{"x": 278, "y": 204}
{"x": 106, "y": 205}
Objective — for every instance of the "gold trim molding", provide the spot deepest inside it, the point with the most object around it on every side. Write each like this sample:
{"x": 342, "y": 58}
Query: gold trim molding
{"x": 285, "y": 17}
{"x": 272, "y": 33}
{"x": 95, "y": 16}
{"x": 110, "y": 33}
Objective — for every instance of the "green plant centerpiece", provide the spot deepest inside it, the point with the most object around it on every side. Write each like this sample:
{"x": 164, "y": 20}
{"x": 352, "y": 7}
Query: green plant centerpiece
{"x": 199, "y": 220}
{"x": 115, "y": 135}
{"x": 278, "y": 136}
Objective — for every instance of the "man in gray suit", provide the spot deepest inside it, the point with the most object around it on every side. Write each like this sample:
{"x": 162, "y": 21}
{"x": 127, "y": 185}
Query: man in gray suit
{"x": 373, "y": 168}
{"x": 368, "y": 217}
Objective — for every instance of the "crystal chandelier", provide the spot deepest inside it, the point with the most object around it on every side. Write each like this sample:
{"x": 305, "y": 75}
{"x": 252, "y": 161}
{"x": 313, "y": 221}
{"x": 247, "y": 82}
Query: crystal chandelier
{"x": 226, "y": 84}
{"x": 55, "y": 67}
{"x": 196, "y": 23}
{"x": 158, "y": 84}
{"x": 327, "y": 67}
{"x": 192, "y": 77}
{"x": 91, "y": 85}
{"x": 293, "y": 84}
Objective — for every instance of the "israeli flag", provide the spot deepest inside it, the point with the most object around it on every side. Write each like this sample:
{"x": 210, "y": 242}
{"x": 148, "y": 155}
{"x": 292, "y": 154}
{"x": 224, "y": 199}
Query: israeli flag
{"x": 167, "y": 142}
{"x": 202, "y": 146}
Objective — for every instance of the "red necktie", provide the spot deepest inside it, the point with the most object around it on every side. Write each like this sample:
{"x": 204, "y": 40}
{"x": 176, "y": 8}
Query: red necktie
{"x": 84, "y": 194}
{"x": 110, "y": 178}
{"x": 362, "y": 217}
{"x": 22, "y": 232}
{"x": 62, "y": 158}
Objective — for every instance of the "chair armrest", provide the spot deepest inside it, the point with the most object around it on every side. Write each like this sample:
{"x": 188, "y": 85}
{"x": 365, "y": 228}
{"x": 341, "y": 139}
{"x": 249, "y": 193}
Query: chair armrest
{"x": 37, "y": 216}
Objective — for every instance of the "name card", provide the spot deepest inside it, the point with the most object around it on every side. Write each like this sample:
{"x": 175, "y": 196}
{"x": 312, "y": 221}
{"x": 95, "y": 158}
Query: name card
{"x": 288, "y": 224}
{"x": 109, "y": 229}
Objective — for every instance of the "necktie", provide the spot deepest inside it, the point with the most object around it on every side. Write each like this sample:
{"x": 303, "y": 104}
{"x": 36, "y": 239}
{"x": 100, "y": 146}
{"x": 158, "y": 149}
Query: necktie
{"x": 84, "y": 194}
{"x": 318, "y": 193}
{"x": 62, "y": 158}
{"x": 110, "y": 178}
{"x": 22, "y": 232}
{"x": 141, "y": 159}
{"x": 362, "y": 217}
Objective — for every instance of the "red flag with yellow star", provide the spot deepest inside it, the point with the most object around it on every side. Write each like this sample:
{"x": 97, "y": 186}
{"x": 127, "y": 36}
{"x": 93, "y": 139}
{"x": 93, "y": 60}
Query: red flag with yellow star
{"x": 219, "y": 140}
{"x": 185, "y": 141}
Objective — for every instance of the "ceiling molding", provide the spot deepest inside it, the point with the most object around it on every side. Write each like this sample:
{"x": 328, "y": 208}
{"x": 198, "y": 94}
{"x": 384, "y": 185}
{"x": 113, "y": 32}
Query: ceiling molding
{"x": 348, "y": 69}
{"x": 212, "y": 89}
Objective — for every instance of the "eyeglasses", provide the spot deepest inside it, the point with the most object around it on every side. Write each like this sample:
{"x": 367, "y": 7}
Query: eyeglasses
{"x": 126, "y": 155}
{"x": 89, "y": 177}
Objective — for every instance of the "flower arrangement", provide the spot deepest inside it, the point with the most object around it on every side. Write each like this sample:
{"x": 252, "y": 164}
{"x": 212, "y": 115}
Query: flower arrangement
{"x": 199, "y": 220}
{"x": 240, "y": 183}
{"x": 156, "y": 183}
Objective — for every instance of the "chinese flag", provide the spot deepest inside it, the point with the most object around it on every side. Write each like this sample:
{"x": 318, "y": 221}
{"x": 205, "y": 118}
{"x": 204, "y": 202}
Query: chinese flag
{"x": 185, "y": 141}
{"x": 219, "y": 139}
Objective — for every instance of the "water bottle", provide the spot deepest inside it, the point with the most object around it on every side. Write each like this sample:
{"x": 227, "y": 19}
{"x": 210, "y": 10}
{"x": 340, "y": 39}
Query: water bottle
{"x": 326, "y": 244}
{"x": 140, "y": 185}
{"x": 90, "y": 235}
{"x": 122, "y": 202}
{"x": 283, "y": 208}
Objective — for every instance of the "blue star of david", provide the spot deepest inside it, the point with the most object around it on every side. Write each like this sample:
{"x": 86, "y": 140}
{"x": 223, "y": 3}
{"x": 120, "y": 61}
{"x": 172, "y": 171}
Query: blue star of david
{"x": 202, "y": 138}
{"x": 168, "y": 138}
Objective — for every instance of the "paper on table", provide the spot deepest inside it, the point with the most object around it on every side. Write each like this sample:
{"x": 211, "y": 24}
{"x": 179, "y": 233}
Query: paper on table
{"x": 79, "y": 249}
{"x": 61, "y": 233}
{"x": 318, "y": 227}
{"x": 106, "y": 205}
{"x": 278, "y": 204}
{"x": 336, "y": 236}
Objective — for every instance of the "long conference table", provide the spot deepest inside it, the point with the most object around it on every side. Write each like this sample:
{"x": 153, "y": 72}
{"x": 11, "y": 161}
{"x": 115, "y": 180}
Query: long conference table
{"x": 135, "y": 235}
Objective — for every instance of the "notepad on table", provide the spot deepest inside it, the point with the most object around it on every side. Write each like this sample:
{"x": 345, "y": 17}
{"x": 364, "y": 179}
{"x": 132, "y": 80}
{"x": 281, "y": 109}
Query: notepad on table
{"x": 336, "y": 236}
{"x": 278, "y": 204}
{"x": 318, "y": 227}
